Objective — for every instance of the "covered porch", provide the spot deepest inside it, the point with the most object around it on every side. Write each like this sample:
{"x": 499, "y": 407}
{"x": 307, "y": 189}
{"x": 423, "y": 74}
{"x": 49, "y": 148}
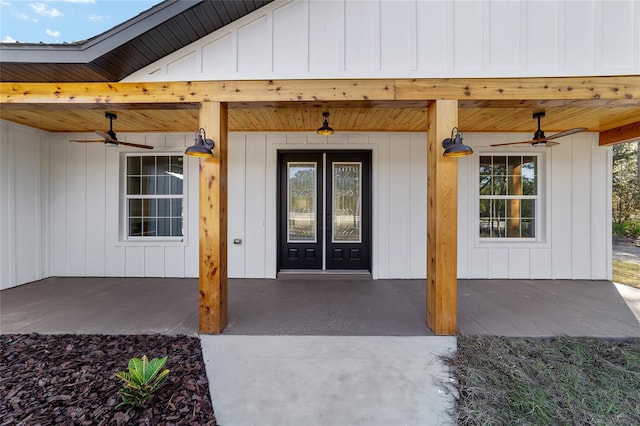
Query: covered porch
{"x": 346, "y": 305}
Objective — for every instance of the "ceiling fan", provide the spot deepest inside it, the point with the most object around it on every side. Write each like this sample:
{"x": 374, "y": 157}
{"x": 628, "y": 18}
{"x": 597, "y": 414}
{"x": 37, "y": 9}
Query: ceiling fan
{"x": 539, "y": 139}
{"x": 110, "y": 138}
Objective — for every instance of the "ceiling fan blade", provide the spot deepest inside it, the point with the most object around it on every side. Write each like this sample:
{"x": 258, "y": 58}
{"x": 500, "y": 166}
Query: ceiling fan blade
{"x": 107, "y": 137}
{"x": 516, "y": 143}
{"x": 567, "y": 133}
{"x": 86, "y": 140}
{"x": 136, "y": 145}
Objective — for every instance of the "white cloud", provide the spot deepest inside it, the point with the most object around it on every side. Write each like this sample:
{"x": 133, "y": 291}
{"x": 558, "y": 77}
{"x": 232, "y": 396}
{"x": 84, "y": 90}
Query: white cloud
{"x": 9, "y": 39}
{"x": 5, "y": 3}
{"x": 52, "y": 33}
{"x": 42, "y": 9}
{"x": 96, "y": 18}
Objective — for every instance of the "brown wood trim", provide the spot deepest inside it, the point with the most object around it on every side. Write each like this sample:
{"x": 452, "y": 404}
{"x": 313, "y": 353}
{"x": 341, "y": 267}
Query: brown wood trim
{"x": 552, "y": 88}
{"x": 213, "y": 222}
{"x": 621, "y": 134}
{"x": 442, "y": 221}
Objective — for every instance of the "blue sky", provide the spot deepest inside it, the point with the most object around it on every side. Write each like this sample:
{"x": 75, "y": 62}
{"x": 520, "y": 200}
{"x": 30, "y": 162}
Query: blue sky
{"x": 64, "y": 21}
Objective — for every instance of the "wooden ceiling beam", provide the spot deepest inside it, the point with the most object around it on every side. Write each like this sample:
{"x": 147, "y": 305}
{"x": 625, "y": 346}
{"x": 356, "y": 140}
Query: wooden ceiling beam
{"x": 465, "y": 89}
{"x": 551, "y": 88}
{"x": 620, "y": 134}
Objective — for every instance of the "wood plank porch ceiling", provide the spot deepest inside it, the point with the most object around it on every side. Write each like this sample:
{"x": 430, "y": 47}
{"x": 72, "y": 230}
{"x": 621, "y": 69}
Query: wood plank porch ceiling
{"x": 498, "y": 105}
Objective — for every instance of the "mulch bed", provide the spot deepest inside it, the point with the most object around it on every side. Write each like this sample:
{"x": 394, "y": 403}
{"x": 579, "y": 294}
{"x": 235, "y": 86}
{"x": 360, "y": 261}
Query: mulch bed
{"x": 69, "y": 379}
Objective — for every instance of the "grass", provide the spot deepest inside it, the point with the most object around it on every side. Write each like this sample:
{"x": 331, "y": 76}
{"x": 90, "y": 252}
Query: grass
{"x": 626, "y": 273}
{"x": 568, "y": 381}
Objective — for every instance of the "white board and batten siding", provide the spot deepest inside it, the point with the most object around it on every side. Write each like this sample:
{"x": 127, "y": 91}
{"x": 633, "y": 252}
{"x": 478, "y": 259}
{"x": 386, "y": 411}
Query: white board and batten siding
{"x": 60, "y": 208}
{"x": 89, "y": 237}
{"x": 25, "y": 205}
{"x": 312, "y": 39}
{"x": 575, "y": 232}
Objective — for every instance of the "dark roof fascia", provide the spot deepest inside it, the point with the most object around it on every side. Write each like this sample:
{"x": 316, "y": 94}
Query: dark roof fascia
{"x": 95, "y": 47}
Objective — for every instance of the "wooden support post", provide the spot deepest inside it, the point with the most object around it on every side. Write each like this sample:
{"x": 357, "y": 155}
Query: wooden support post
{"x": 213, "y": 221}
{"x": 442, "y": 221}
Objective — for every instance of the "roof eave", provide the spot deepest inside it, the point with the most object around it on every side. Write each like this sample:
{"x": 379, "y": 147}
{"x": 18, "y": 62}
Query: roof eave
{"x": 89, "y": 50}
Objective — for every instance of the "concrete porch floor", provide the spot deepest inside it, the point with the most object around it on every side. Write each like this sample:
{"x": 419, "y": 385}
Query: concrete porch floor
{"x": 330, "y": 305}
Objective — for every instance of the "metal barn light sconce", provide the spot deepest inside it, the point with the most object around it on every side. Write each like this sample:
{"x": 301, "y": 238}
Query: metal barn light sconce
{"x": 325, "y": 130}
{"x": 453, "y": 146}
{"x": 202, "y": 147}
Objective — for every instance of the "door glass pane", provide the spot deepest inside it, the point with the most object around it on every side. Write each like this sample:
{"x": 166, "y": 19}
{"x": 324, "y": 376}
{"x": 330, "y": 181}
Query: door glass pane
{"x": 301, "y": 202}
{"x": 347, "y": 184}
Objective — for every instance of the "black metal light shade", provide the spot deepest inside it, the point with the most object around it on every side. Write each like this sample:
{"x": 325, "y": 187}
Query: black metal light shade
{"x": 325, "y": 130}
{"x": 453, "y": 146}
{"x": 202, "y": 147}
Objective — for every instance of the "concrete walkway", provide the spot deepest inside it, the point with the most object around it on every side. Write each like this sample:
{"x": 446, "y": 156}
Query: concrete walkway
{"x": 328, "y": 380}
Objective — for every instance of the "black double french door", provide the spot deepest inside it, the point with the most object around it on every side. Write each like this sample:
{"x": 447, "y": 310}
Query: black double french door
{"x": 324, "y": 210}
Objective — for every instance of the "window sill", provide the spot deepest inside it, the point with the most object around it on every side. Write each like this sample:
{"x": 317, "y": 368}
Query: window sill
{"x": 511, "y": 243}
{"x": 147, "y": 242}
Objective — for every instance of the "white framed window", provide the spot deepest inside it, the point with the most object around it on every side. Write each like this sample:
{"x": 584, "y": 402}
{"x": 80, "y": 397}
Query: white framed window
{"x": 154, "y": 197}
{"x": 509, "y": 200}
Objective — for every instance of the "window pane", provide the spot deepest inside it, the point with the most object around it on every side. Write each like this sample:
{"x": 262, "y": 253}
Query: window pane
{"x": 164, "y": 227}
{"x": 528, "y": 208}
{"x": 485, "y": 185}
{"x": 499, "y": 166}
{"x": 149, "y": 228}
{"x": 149, "y": 207}
{"x": 513, "y": 218}
{"x": 513, "y": 208}
{"x": 485, "y": 165}
{"x": 176, "y": 227}
{"x": 499, "y": 214}
{"x": 148, "y": 165}
{"x": 163, "y": 165}
{"x": 485, "y": 231}
{"x": 529, "y": 175}
{"x": 135, "y": 227}
{"x": 176, "y": 207}
{"x": 515, "y": 165}
{"x": 528, "y": 228}
{"x": 346, "y": 201}
{"x": 163, "y": 185}
{"x": 485, "y": 208}
{"x": 301, "y": 202}
{"x": 176, "y": 164}
{"x": 133, "y": 185}
{"x": 500, "y": 185}
{"x": 497, "y": 228}
{"x": 164, "y": 207}
{"x": 514, "y": 178}
{"x": 515, "y": 185}
{"x": 148, "y": 185}
{"x": 133, "y": 165}
{"x": 135, "y": 207}
{"x": 176, "y": 185}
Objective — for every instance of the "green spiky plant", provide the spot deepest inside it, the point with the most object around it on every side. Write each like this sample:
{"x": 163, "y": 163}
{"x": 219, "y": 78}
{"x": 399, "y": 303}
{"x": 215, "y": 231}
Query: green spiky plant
{"x": 142, "y": 380}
